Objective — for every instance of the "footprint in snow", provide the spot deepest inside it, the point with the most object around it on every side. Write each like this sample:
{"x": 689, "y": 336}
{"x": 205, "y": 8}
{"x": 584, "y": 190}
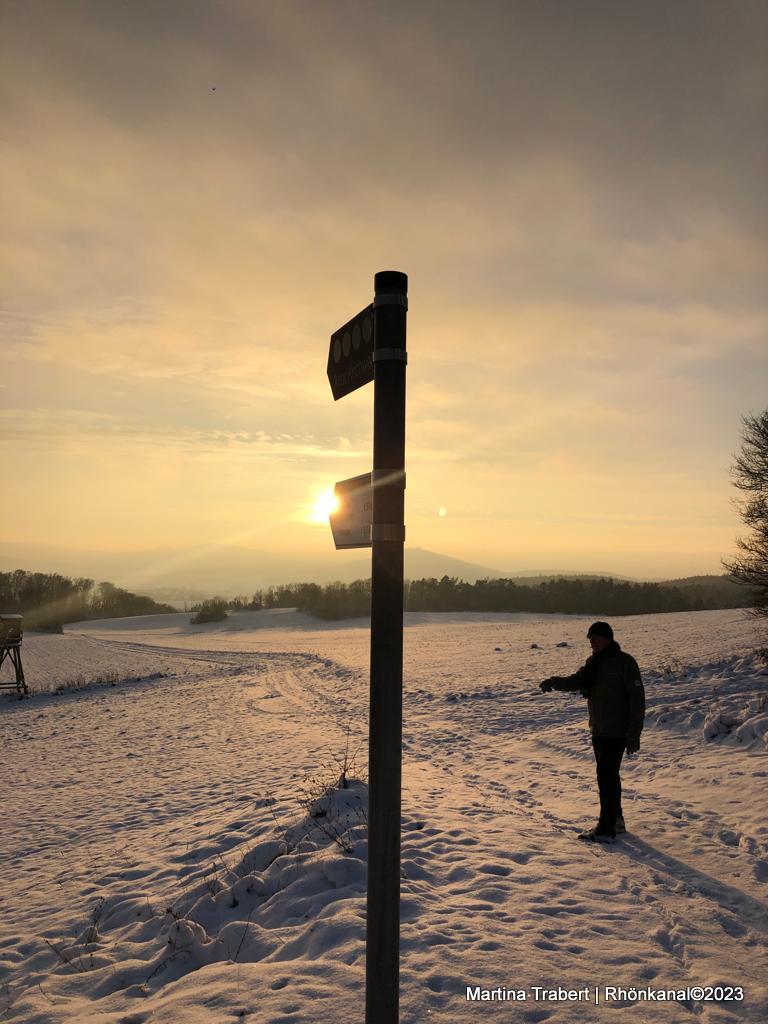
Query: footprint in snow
{"x": 731, "y": 926}
{"x": 494, "y": 869}
{"x": 536, "y": 1016}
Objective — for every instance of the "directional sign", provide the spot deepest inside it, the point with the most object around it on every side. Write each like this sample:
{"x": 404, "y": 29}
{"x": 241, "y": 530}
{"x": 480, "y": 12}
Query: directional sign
{"x": 351, "y": 522}
{"x": 350, "y": 359}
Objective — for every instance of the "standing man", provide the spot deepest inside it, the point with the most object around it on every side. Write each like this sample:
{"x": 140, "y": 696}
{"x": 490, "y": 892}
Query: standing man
{"x": 611, "y": 682}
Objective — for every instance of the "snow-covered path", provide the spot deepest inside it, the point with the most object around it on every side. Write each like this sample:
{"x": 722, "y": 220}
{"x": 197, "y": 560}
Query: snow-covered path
{"x": 152, "y": 834}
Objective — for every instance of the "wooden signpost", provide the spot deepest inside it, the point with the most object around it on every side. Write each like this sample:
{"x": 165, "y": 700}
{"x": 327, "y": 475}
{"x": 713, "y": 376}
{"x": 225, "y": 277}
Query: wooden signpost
{"x": 371, "y": 346}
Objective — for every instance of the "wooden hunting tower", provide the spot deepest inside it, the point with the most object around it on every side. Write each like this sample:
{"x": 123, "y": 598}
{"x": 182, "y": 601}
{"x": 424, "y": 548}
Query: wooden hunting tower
{"x": 11, "y": 635}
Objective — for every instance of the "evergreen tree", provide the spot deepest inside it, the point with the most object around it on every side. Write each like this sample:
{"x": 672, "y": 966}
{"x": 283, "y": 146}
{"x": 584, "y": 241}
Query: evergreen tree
{"x": 750, "y": 475}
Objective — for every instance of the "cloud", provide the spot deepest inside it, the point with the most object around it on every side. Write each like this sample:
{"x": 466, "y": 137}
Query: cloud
{"x": 88, "y": 430}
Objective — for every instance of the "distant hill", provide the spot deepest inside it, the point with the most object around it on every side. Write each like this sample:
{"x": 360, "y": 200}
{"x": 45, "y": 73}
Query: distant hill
{"x": 191, "y": 574}
{"x": 198, "y": 572}
{"x": 423, "y": 564}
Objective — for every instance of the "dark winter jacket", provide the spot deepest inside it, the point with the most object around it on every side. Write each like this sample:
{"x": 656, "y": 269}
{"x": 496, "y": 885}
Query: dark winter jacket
{"x": 614, "y": 689}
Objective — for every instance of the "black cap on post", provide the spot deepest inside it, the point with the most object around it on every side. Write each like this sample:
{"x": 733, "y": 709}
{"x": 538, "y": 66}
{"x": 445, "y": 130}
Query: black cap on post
{"x": 390, "y": 281}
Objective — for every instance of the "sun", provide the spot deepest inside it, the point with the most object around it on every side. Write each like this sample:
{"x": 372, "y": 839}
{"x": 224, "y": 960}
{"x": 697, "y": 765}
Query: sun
{"x": 326, "y": 502}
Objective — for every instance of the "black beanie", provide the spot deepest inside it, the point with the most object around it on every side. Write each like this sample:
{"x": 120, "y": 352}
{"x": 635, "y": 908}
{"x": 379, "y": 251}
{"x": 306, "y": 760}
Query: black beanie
{"x": 600, "y": 629}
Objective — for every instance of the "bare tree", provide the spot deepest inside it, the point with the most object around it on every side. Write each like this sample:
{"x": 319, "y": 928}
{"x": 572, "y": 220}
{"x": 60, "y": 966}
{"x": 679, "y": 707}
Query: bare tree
{"x": 750, "y": 475}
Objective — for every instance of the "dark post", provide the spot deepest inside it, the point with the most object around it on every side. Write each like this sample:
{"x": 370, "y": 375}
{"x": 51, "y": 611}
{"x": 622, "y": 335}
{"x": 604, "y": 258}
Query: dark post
{"x": 382, "y": 980}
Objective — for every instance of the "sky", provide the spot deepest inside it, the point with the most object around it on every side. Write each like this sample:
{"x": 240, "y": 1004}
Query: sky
{"x": 195, "y": 195}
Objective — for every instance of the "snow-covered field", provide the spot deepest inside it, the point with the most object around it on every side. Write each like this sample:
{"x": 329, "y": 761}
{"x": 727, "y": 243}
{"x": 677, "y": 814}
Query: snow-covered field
{"x": 167, "y": 853}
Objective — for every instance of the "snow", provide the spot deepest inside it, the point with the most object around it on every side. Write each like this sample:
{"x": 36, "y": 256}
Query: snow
{"x": 183, "y": 836}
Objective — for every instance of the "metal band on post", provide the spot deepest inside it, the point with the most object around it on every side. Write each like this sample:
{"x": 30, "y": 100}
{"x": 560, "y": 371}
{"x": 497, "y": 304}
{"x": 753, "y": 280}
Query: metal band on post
{"x": 380, "y": 354}
{"x": 390, "y": 299}
{"x": 394, "y": 532}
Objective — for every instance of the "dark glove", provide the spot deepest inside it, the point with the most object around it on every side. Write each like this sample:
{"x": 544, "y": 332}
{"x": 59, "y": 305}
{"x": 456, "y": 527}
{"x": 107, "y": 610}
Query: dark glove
{"x": 633, "y": 745}
{"x": 546, "y": 686}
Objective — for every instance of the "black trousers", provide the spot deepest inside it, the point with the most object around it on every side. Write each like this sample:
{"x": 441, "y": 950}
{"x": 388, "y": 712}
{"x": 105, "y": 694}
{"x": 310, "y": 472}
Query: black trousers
{"x": 609, "y": 751}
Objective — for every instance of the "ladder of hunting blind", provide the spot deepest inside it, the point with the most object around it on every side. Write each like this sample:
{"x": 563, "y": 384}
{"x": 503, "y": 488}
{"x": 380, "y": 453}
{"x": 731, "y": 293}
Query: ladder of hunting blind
{"x": 11, "y": 635}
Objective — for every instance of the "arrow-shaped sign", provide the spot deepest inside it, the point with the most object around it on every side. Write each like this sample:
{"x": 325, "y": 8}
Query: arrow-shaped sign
{"x": 350, "y": 359}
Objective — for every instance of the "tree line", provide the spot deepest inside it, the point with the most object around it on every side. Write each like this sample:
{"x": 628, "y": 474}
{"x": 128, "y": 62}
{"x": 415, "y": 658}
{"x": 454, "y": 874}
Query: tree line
{"x": 47, "y": 600}
{"x": 332, "y": 601}
{"x": 449, "y": 594}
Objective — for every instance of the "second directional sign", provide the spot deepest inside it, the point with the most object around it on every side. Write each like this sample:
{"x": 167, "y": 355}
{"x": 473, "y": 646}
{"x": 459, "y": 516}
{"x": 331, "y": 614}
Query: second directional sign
{"x": 350, "y": 359}
{"x": 351, "y": 522}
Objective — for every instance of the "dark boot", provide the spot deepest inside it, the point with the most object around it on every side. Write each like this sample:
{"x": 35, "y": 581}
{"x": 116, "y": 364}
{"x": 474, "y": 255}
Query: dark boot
{"x": 598, "y": 834}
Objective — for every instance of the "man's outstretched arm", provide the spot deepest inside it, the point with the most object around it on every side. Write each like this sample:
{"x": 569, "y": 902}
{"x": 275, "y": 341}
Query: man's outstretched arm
{"x": 569, "y": 684}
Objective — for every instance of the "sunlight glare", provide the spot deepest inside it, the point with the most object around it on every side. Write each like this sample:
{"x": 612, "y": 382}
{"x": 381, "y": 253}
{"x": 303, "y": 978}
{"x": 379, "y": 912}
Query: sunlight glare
{"x": 325, "y": 503}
